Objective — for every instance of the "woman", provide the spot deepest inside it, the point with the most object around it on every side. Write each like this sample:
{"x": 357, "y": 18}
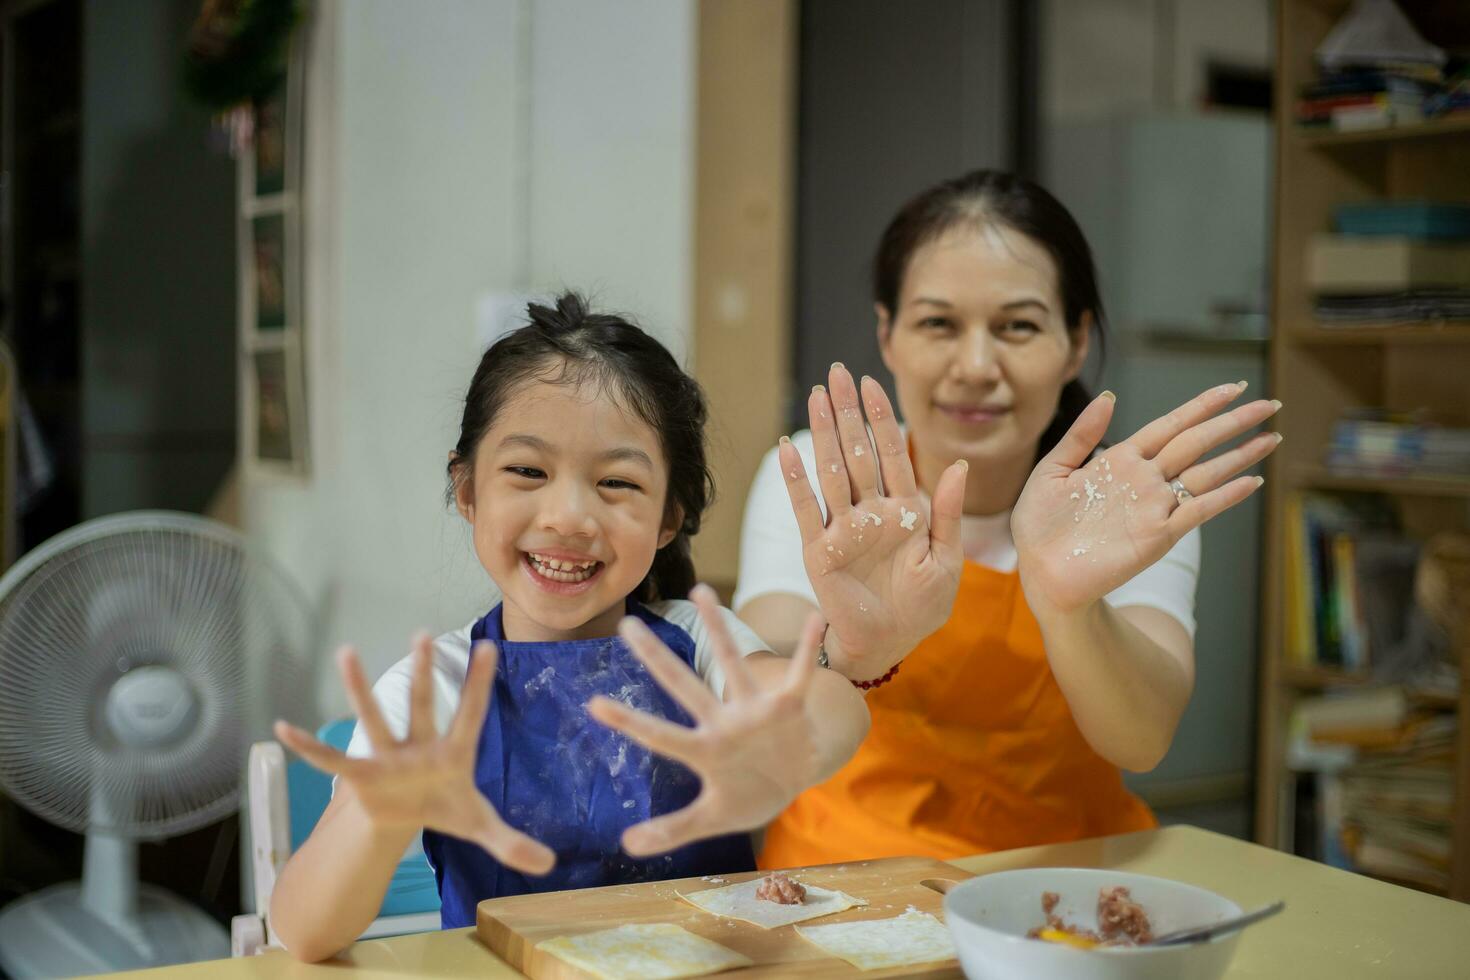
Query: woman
{"x": 1031, "y": 634}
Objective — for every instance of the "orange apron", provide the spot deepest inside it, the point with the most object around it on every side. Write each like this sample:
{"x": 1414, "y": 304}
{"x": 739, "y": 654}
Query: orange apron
{"x": 972, "y": 749}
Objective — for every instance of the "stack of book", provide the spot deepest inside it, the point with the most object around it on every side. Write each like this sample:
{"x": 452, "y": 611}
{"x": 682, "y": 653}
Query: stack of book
{"x": 1397, "y": 806}
{"x": 1454, "y": 98}
{"x": 1376, "y": 70}
{"x": 1378, "y": 442}
{"x": 1349, "y": 579}
{"x": 1368, "y": 97}
{"x": 1392, "y": 262}
{"x": 1384, "y": 783}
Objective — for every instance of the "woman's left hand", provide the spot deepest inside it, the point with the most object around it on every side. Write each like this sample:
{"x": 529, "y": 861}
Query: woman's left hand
{"x": 753, "y": 752}
{"x": 1084, "y": 524}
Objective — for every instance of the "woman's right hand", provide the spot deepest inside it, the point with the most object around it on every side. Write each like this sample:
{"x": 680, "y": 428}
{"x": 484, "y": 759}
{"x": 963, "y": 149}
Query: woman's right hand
{"x": 424, "y": 780}
{"x": 885, "y": 572}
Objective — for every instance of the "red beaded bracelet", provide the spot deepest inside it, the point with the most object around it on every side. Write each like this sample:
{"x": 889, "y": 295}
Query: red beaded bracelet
{"x": 822, "y": 661}
{"x": 869, "y": 685}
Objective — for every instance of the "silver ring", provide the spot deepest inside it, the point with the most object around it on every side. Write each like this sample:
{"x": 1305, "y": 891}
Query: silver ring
{"x": 1181, "y": 494}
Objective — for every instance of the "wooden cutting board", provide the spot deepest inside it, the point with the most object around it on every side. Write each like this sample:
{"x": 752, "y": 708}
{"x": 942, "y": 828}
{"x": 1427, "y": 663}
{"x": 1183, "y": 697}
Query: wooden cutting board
{"x": 513, "y": 926}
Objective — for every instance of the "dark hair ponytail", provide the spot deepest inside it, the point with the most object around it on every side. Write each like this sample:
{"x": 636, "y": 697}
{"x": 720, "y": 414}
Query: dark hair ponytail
{"x": 569, "y": 344}
{"x": 991, "y": 196}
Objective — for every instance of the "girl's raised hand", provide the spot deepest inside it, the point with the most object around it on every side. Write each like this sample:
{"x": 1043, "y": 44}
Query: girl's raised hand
{"x": 424, "y": 780}
{"x": 753, "y": 752}
{"x": 885, "y": 571}
{"x": 1086, "y": 524}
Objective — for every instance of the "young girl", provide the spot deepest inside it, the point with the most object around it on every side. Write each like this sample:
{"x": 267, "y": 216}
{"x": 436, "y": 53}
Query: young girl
{"x": 581, "y": 470}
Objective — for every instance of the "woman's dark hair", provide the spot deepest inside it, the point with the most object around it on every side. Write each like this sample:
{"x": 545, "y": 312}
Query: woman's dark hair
{"x": 992, "y": 197}
{"x": 572, "y": 345}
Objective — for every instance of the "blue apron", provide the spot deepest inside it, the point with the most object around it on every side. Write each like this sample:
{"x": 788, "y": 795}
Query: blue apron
{"x": 553, "y": 772}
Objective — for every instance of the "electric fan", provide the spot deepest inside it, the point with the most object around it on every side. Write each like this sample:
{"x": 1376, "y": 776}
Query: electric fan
{"x": 140, "y": 655}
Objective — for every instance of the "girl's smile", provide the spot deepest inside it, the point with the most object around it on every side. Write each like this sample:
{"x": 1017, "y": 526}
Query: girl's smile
{"x": 567, "y": 502}
{"x": 560, "y": 572}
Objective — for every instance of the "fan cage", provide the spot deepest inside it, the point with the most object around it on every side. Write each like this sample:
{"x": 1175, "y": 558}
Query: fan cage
{"x": 144, "y": 589}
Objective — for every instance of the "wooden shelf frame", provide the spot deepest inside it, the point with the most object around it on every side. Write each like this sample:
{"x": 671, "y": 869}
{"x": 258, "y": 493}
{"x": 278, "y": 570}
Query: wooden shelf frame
{"x": 1429, "y": 332}
{"x": 1307, "y": 477}
{"x": 1325, "y": 678}
{"x": 1318, "y": 372}
{"x": 1449, "y": 127}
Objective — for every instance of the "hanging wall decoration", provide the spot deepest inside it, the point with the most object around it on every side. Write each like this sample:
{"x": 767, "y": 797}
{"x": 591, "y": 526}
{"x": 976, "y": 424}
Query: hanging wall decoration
{"x": 244, "y": 61}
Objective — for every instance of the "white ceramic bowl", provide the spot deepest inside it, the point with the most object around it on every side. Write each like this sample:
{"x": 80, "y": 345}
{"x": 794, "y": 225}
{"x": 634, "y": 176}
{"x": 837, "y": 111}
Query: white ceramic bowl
{"x": 989, "y": 917}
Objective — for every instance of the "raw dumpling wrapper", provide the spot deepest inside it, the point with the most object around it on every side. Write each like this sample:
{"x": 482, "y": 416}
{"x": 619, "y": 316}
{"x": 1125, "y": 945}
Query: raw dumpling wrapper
{"x": 907, "y": 940}
{"x": 739, "y": 902}
{"x": 656, "y": 951}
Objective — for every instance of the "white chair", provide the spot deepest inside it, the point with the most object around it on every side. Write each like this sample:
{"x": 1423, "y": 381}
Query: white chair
{"x": 283, "y": 802}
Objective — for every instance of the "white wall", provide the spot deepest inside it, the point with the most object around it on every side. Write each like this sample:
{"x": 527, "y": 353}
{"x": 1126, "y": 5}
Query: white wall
{"x": 612, "y": 156}
{"x": 490, "y": 147}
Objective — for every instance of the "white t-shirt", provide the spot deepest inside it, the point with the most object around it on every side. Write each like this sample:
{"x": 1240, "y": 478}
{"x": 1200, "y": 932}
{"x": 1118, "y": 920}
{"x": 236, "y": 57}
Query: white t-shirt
{"x": 452, "y": 659}
{"x": 770, "y": 548}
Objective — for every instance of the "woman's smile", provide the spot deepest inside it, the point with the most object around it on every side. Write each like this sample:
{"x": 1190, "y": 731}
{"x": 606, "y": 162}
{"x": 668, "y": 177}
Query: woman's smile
{"x": 971, "y": 413}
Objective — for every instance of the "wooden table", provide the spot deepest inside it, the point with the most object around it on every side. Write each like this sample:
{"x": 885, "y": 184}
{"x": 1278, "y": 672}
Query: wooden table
{"x": 1337, "y": 925}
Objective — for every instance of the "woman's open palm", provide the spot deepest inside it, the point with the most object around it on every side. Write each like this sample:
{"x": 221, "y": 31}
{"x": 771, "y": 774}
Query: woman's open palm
{"x": 1087, "y": 522}
{"x": 885, "y": 569}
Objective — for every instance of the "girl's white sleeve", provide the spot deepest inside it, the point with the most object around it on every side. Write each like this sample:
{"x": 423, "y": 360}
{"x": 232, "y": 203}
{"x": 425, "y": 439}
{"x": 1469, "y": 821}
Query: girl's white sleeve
{"x": 685, "y": 615}
{"x": 770, "y": 541}
{"x": 451, "y": 661}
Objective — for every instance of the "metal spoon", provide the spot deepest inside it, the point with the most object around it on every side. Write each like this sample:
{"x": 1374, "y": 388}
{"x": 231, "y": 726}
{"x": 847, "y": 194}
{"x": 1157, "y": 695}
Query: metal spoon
{"x": 1198, "y": 934}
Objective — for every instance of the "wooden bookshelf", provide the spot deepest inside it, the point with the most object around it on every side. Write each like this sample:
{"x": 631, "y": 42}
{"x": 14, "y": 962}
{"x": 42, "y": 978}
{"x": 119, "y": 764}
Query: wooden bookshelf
{"x": 1323, "y": 678}
{"x": 1434, "y": 332}
{"x": 1307, "y": 477}
{"x": 1317, "y": 372}
{"x": 1454, "y": 126}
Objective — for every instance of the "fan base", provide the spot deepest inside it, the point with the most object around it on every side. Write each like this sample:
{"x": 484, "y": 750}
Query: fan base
{"x": 51, "y": 934}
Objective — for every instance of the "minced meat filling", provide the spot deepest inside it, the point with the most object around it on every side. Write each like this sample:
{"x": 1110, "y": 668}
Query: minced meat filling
{"x": 782, "y": 890}
{"x": 1120, "y": 920}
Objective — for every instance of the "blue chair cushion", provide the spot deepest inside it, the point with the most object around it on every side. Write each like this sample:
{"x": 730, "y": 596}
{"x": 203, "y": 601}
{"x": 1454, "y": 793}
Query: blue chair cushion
{"x": 413, "y": 889}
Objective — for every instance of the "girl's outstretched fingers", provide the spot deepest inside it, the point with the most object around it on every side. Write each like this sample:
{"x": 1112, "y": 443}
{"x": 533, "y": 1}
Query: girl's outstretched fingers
{"x": 668, "y": 832}
{"x": 511, "y": 847}
{"x": 421, "y": 727}
{"x": 653, "y": 733}
{"x": 671, "y": 673}
{"x": 464, "y": 730}
{"x": 738, "y": 682}
{"x": 425, "y": 781}
{"x": 364, "y": 705}
{"x": 804, "y": 663}
{"x": 314, "y": 751}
